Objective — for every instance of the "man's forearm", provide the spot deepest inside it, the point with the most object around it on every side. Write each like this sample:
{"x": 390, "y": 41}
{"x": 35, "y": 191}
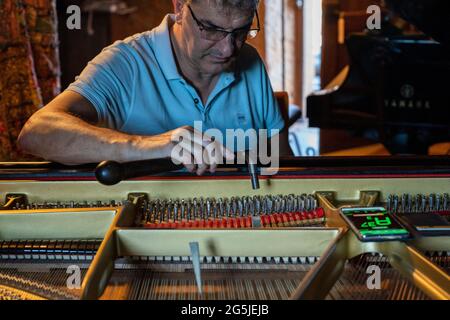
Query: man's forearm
{"x": 66, "y": 139}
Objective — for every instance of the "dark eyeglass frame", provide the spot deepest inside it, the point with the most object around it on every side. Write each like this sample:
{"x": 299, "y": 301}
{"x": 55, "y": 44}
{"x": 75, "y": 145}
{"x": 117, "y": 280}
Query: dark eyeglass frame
{"x": 249, "y": 33}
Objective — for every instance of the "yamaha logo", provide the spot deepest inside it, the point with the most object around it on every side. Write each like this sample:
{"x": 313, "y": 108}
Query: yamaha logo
{"x": 408, "y": 100}
{"x": 407, "y": 91}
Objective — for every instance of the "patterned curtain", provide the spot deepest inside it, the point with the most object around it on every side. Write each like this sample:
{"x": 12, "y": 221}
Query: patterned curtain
{"x": 29, "y": 67}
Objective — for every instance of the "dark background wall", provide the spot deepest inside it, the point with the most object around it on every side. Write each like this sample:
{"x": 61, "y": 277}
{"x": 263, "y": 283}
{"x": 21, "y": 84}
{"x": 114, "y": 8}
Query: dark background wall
{"x": 148, "y": 15}
{"x": 77, "y": 47}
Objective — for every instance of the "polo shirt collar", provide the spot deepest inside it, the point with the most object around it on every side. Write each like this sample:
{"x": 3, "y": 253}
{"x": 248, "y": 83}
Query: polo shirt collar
{"x": 163, "y": 49}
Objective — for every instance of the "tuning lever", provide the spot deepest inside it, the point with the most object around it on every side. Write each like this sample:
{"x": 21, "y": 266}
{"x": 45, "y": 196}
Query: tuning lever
{"x": 110, "y": 172}
{"x": 253, "y": 170}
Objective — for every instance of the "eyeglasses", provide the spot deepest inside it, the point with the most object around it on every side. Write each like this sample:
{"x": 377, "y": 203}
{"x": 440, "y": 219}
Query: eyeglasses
{"x": 217, "y": 34}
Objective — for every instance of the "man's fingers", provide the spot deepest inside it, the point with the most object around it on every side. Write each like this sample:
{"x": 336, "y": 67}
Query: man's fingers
{"x": 228, "y": 154}
{"x": 188, "y": 162}
{"x": 193, "y": 149}
{"x": 206, "y": 153}
{"x": 202, "y": 159}
{"x": 201, "y": 169}
{"x": 182, "y": 156}
{"x": 213, "y": 155}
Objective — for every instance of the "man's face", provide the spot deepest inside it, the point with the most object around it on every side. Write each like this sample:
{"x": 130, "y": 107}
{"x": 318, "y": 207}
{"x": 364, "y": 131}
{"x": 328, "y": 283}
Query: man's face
{"x": 209, "y": 56}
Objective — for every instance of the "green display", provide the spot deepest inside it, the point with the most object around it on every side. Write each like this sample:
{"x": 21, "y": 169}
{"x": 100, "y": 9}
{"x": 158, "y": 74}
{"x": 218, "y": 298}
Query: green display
{"x": 374, "y": 223}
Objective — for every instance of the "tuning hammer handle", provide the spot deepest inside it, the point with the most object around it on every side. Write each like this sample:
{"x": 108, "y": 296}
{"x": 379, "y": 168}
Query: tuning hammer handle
{"x": 111, "y": 172}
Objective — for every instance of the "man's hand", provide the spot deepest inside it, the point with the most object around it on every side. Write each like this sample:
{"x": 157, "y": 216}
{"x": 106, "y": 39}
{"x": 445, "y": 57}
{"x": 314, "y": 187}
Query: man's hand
{"x": 196, "y": 151}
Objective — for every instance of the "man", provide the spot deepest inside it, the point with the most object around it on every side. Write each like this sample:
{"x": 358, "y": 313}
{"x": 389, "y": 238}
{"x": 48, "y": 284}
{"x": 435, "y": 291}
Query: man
{"x": 136, "y": 95}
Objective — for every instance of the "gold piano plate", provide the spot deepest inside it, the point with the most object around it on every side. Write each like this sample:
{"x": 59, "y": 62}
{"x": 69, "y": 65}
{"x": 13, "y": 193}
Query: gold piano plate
{"x": 324, "y": 262}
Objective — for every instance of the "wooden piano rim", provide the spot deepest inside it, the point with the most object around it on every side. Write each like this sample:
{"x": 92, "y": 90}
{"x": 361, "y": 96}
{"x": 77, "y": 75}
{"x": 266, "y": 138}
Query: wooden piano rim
{"x": 238, "y": 177}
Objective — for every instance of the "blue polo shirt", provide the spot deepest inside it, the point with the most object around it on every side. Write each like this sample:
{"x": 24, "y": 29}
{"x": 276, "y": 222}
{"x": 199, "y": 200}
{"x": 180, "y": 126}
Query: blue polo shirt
{"x": 136, "y": 88}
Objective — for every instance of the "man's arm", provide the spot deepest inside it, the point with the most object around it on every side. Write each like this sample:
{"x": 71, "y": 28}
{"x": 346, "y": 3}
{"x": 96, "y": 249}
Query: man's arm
{"x": 65, "y": 131}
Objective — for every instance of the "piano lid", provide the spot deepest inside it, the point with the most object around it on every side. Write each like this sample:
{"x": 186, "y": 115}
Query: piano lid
{"x": 430, "y": 16}
{"x": 395, "y": 89}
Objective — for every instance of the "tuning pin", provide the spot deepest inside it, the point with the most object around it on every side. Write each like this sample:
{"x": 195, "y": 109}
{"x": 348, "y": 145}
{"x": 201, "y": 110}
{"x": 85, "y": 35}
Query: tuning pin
{"x": 389, "y": 203}
{"x": 273, "y": 203}
{"x": 417, "y": 203}
{"x": 176, "y": 216}
{"x": 437, "y": 206}
{"x": 227, "y": 207}
{"x": 423, "y": 204}
{"x": 409, "y": 205}
{"x": 312, "y": 202}
{"x": 201, "y": 209}
{"x": 291, "y": 203}
{"x": 170, "y": 211}
{"x": 154, "y": 212}
{"x": 268, "y": 204}
{"x": 244, "y": 206}
{"x": 210, "y": 209}
{"x": 195, "y": 204}
{"x": 280, "y": 200}
{"x": 149, "y": 213}
{"x": 198, "y": 213}
{"x": 395, "y": 204}
{"x": 262, "y": 206}
{"x": 403, "y": 203}
{"x": 283, "y": 204}
{"x": 431, "y": 202}
{"x": 251, "y": 207}
{"x": 190, "y": 209}
{"x": 166, "y": 211}
{"x": 158, "y": 211}
{"x": 307, "y": 202}
{"x": 182, "y": 210}
{"x": 221, "y": 208}
{"x": 215, "y": 208}
{"x": 296, "y": 204}
{"x": 256, "y": 206}
{"x": 445, "y": 202}
{"x": 316, "y": 203}
{"x": 240, "y": 205}
{"x": 234, "y": 207}
{"x": 195, "y": 209}
{"x": 163, "y": 210}
{"x": 301, "y": 203}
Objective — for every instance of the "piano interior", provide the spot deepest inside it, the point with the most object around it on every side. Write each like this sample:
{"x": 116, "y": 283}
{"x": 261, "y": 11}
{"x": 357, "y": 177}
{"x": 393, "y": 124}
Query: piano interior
{"x": 283, "y": 241}
{"x": 175, "y": 236}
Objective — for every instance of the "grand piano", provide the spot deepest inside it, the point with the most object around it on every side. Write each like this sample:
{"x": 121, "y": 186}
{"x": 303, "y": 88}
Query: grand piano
{"x": 395, "y": 89}
{"x": 147, "y": 231}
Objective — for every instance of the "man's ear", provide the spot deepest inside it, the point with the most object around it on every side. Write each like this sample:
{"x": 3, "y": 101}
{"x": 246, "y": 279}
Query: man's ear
{"x": 178, "y": 9}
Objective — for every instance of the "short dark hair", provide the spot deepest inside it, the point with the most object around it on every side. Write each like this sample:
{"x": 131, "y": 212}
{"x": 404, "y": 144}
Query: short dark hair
{"x": 241, "y": 4}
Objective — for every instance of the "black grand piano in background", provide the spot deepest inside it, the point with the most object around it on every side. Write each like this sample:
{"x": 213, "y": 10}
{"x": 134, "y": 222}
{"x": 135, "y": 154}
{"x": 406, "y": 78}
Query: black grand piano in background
{"x": 397, "y": 89}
